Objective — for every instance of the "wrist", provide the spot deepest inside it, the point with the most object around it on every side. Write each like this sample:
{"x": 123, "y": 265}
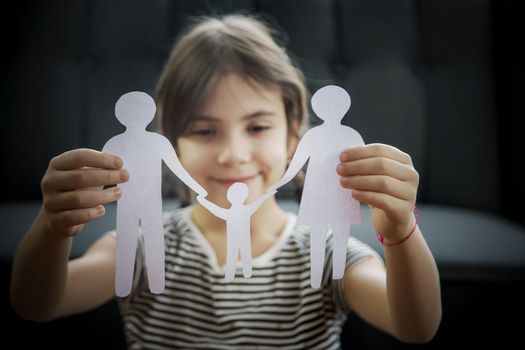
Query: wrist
{"x": 43, "y": 227}
{"x": 401, "y": 234}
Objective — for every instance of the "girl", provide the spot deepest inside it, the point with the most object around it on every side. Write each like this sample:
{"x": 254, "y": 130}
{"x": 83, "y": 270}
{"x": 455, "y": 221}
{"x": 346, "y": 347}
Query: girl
{"x": 233, "y": 105}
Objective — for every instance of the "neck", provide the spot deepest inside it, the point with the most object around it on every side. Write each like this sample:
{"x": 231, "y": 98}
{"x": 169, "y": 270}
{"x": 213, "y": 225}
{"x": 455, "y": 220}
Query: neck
{"x": 135, "y": 129}
{"x": 268, "y": 220}
{"x": 331, "y": 124}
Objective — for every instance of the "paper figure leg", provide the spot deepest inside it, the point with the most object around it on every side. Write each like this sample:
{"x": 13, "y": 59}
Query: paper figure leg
{"x": 127, "y": 232}
{"x": 154, "y": 251}
{"x": 246, "y": 254}
{"x": 231, "y": 256}
{"x": 317, "y": 254}
{"x": 340, "y": 242}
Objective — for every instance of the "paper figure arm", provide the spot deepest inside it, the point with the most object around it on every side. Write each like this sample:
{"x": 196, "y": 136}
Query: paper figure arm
{"x": 109, "y": 147}
{"x": 215, "y": 209}
{"x": 174, "y": 164}
{"x": 356, "y": 138}
{"x": 300, "y": 157}
{"x": 252, "y": 207}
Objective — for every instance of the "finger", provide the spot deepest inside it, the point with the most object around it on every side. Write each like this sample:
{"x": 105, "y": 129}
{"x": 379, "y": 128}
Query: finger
{"x": 84, "y": 157}
{"x": 70, "y": 200}
{"x": 69, "y": 218}
{"x": 378, "y": 166}
{"x": 381, "y": 184}
{"x": 375, "y": 150}
{"x": 392, "y": 206}
{"x": 84, "y": 178}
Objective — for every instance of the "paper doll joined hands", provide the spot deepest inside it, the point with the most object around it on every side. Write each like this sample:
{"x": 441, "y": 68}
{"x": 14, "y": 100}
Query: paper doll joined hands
{"x": 325, "y": 204}
{"x": 141, "y": 203}
{"x": 237, "y": 219}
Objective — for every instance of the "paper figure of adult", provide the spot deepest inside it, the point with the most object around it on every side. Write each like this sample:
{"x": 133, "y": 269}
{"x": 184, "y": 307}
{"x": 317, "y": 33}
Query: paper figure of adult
{"x": 237, "y": 219}
{"x": 142, "y": 153}
{"x": 325, "y": 204}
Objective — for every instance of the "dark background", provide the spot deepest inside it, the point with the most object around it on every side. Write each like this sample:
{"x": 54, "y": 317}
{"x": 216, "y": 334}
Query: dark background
{"x": 435, "y": 78}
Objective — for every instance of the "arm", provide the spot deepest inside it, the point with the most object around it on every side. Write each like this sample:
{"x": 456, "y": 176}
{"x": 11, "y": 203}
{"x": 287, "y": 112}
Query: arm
{"x": 300, "y": 157}
{"x": 215, "y": 209}
{"x": 174, "y": 164}
{"x": 404, "y": 299}
{"x": 44, "y": 284}
{"x": 252, "y": 207}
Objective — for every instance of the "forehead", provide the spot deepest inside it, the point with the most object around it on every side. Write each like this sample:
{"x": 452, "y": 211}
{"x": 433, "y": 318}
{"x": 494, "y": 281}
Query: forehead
{"x": 236, "y": 96}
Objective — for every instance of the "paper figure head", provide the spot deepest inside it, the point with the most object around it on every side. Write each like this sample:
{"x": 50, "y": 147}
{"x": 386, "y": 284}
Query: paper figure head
{"x": 330, "y": 103}
{"x": 237, "y": 193}
{"x": 135, "y": 109}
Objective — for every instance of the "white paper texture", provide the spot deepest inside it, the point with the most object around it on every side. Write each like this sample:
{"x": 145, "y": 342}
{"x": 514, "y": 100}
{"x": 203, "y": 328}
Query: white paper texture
{"x": 238, "y": 236}
{"x": 142, "y": 153}
{"x": 325, "y": 205}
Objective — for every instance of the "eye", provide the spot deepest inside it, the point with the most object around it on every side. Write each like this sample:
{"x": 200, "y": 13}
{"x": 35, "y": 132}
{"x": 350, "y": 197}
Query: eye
{"x": 203, "y": 132}
{"x": 257, "y": 128}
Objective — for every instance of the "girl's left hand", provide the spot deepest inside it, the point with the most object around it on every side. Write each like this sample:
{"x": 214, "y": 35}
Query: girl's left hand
{"x": 383, "y": 177}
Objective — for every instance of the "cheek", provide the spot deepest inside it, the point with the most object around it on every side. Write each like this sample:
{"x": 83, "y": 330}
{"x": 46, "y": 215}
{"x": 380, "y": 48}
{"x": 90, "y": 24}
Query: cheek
{"x": 191, "y": 158}
{"x": 275, "y": 156}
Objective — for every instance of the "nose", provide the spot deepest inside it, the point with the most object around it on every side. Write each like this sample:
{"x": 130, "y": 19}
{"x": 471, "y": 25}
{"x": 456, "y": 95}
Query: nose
{"x": 235, "y": 149}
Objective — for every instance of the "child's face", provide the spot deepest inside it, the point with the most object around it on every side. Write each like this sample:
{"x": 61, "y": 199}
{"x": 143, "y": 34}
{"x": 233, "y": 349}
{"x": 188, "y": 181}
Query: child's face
{"x": 240, "y": 136}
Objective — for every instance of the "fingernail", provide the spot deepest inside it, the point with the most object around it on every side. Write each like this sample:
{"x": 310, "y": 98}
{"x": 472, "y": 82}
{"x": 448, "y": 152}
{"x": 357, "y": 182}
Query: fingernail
{"x": 344, "y": 157}
{"x": 117, "y": 162}
{"x": 117, "y": 193}
{"x": 347, "y": 180}
{"x": 124, "y": 175}
{"x": 101, "y": 210}
{"x": 340, "y": 169}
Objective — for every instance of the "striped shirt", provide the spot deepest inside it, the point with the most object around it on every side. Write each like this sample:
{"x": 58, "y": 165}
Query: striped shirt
{"x": 275, "y": 308}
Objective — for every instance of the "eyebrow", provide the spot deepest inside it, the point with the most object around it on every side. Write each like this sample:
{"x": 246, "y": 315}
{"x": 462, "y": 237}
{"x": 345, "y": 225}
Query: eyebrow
{"x": 250, "y": 116}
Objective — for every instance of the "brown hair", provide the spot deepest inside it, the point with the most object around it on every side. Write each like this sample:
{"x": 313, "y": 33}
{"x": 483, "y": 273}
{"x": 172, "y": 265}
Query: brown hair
{"x": 213, "y": 47}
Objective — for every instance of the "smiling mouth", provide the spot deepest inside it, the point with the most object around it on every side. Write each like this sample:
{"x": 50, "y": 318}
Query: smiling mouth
{"x": 230, "y": 181}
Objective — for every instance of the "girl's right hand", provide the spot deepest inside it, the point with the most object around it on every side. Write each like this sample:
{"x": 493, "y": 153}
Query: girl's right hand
{"x": 72, "y": 189}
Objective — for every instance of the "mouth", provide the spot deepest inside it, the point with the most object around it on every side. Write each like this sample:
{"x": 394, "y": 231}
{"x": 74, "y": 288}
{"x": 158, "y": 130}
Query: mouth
{"x": 228, "y": 181}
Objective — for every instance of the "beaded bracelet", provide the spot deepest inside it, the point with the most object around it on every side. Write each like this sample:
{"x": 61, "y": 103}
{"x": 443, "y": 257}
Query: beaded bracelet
{"x": 381, "y": 239}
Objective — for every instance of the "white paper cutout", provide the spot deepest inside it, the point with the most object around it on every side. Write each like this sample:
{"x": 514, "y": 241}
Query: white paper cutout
{"x": 141, "y": 203}
{"x": 325, "y": 205}
{"x": 237, "y": 219}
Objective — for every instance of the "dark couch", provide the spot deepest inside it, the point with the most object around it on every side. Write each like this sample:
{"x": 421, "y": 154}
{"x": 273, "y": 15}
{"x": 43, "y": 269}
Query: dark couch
{"x": 436, "y": 78}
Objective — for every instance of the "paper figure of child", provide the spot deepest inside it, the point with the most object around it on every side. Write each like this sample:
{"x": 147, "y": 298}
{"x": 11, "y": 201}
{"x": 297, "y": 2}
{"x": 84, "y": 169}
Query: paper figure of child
{"x": 237, "y": 219}
{"x": 325, "y": 204}
{"x": 141, "y": 203}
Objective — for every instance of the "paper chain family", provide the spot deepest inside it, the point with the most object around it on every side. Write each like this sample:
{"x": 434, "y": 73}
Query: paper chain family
{"x": 324, "y": 206}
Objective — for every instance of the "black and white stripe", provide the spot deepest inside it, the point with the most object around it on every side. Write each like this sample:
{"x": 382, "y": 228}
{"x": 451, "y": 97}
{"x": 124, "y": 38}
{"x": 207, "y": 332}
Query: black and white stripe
{"x": 275, "y": 308}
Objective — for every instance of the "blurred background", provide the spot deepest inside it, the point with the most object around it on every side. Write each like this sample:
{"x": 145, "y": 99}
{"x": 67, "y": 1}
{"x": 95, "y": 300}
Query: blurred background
{"x": 436, "y": 78}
